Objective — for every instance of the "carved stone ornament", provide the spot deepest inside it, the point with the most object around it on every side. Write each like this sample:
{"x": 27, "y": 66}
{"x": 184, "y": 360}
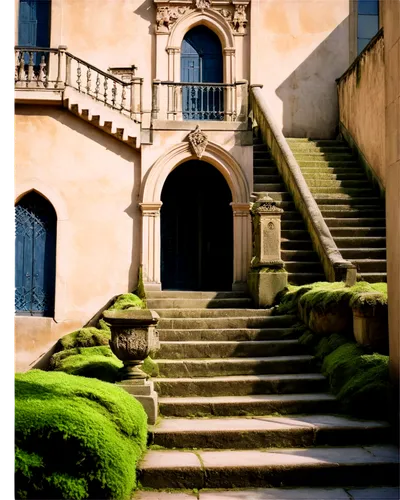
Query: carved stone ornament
{"x": 264, "y": 204}
{"x": 198, "y": 141}
{"x": 169, "y": 12}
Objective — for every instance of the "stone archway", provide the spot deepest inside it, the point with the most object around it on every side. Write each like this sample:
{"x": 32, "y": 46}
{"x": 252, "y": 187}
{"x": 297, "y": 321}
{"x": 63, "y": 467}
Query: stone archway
{"x": 151, "y": 204}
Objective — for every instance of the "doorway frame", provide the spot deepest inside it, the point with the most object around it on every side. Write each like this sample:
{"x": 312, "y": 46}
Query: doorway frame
{"x": 150, "y": 206}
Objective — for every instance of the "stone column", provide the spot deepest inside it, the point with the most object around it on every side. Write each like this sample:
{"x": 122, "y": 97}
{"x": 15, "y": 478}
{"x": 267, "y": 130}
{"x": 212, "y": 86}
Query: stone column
{"x": 241, "y": 244}
{"x": 229, "y": 77}
{"x": 267, "y": 276}
{"x": 151, "y": 245}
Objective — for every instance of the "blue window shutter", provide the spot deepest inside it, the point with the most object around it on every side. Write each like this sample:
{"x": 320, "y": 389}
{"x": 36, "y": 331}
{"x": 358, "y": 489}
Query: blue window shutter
{"x": 34, "y": 23}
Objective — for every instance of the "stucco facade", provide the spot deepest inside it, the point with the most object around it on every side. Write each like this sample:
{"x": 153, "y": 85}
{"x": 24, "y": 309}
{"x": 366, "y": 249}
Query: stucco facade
{"x": 105, "y": 178}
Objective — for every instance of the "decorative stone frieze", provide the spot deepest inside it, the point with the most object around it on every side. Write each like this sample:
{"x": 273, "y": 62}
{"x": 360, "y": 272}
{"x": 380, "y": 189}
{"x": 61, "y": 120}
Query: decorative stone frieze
{"x": 198, "y": 141}
{"x": 233, "y": 11}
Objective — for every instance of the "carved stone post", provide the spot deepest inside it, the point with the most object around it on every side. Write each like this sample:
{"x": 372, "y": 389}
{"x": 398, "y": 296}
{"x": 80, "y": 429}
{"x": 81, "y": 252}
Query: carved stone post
{"x": 155, "y": 105}
{"x": 267, "y": 276}
{"x": 133, "y": 338}
{"x": 151, "y": 245}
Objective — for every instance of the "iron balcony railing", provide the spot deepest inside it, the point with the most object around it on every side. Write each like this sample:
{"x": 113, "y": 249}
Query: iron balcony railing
{"x": 54, "y": 69}
{"x": 200, "y": 101}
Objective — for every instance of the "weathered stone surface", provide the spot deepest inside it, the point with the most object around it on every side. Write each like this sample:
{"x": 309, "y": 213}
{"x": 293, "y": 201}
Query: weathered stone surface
{"x": 375, "y": 493}
{"x": 264, "y": 286}
{"x": 278, "y": 494}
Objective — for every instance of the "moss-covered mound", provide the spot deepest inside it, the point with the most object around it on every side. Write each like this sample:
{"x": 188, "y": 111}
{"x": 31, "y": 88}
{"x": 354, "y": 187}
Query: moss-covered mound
{"x": 358, "y": 377}
{"x": 86, "y": 352}
{"x": 75, "y": 438}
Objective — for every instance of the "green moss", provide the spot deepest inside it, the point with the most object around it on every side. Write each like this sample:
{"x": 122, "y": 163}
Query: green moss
{"x": 140, "y": 291}
{"x": 127, "y": 301}
{"x": 85, "y": 337}
{"x": 150, "y": 367}
{"x": 75, "y": 437}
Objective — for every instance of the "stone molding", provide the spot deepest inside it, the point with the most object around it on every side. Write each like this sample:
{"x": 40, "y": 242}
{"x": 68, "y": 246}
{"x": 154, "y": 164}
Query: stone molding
{"x": 232, "y": 11}
{"x": 198, "y": 141}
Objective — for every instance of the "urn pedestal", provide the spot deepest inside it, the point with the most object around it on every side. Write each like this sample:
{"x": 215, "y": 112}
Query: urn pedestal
{"x": 133, "y": 338}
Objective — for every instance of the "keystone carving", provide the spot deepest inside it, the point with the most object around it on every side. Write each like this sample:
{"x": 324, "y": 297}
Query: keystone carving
{"x": 198, "y": 142}
{"x": 203, "y": 4}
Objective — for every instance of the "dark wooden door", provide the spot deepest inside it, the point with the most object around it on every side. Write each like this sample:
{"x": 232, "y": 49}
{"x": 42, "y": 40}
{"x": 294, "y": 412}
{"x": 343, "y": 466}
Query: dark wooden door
{"x": 35, "y": 252}
{"x": 201, "y": 62}
{"x": 196, "y": 229}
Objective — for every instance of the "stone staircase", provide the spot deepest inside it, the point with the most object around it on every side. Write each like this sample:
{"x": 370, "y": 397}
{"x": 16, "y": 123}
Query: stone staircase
{"x": 301, "y": 261}
{"x": 105, "y": 118}
{"x": 243, "y": 406}
{"x": 352, "y": 210}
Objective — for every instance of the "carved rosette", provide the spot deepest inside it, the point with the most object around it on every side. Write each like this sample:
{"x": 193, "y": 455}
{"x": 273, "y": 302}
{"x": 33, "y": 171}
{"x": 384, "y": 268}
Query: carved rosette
{"x": 169, "y": 11}
{"x": 198, "y": 141}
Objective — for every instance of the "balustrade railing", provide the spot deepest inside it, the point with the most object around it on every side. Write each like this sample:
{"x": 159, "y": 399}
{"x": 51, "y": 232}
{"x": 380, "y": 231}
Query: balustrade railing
{"x": 54, "y": 69}
{"x": 200, "y": 101}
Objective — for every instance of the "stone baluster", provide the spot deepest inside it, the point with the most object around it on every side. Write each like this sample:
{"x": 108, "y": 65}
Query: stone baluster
{"x": 31, "y": 73}
{"x": 88, "y": 80}
{"x": 17, "y": 55}
{"x": 155, "y": 108}
{"x": 114, "y": 94}
{"x": 105, "y": 87}
{"x": 22, "y": 73}
{"x": 42, "y": 77}
{"x": 60, "y": 55}
{"x": 97, "y": 88}
{"x": 79, "y": 74}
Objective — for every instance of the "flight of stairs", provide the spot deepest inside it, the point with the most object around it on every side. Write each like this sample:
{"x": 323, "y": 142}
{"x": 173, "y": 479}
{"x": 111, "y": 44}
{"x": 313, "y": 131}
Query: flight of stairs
{"x": 352, "y": 210}
{"x": 103, "y": 117}
{"x": 243, "y": 406}
{"x": 301, "y": 261}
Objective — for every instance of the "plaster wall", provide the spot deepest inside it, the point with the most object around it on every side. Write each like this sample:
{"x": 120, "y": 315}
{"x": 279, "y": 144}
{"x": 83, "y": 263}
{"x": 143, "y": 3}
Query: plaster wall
{"x": 92, "y": 180}
{"x": 391, "y": 23}
{"x": 298, "y": 49}
{"x": 362, "y": 105}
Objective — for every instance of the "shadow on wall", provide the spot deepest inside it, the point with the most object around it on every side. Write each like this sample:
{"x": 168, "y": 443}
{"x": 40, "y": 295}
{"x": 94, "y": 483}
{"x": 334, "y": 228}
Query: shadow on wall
{"x": 309, "y": 96}
{"x": 147, "y": 12}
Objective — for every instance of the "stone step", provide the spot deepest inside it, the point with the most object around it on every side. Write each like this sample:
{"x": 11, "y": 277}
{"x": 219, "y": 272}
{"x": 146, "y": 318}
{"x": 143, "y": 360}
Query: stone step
{"x": 372, "y": 277}
{"x": 332, "y": 222}
{"x": 270, "y": 187}
{"x": 370, "y": 265}
{"x": 218, "y": 323}
{"x": 293, "y": 224}
{"x": 189, "y": 367}
{"x": 261, "y": 404}
{"x": 275, "y": 195}
{"x": 228, "y": 349}
{"x": 344, "y": 200}
{"x": 305, "y": 278}
{"x": 360, "y": 242}
{"x": 323, "y": 156}
{"x": 267, "y": 179}
{"x": 213, "y": 313}
{"x": 298, "y": 255}
{"x": 300, "y": 141}
{"x": 264, "y": 162}
{"x": 325, "y": 163}
{"x": 363, "y": 253}
{"x": 294, "y": 234}
{"x": 318, "y": 466}
{"x": 348, "y": 211}
{"x": 329, "y": 170}
{"x": 174, "y": 303}
{"x": 244, "y": 385}
{"x": 329, "y": 176}
{"x": 230, "y": 334}
{"x": 342, "y": 192}
{"x": 321, "y": 182}
{"x": 183, "y": 294}
{"x": 266, "y": 171}
{"x": 302, "y": 266}
{"x": 268, "y": 432}
{"x": 358, "y": 231}
{"x": 287, "y": 244}
{"x": 291, "y": 216}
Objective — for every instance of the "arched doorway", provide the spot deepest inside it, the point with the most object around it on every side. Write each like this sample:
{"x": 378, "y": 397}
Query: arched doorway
{"x": 35, "y": 255}
{"x": 196, "y": 229}
{"x": 202, "y": 62}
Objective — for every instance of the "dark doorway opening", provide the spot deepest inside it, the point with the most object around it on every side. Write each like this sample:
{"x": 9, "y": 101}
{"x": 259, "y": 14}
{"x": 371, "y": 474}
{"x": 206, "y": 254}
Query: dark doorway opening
{"x": 196, "y": 229}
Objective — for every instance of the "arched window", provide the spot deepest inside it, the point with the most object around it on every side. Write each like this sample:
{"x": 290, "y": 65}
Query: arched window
{"x": 35, "y": 256}
{"x": 202, "y": 63}
{"x": 367, "y": 22}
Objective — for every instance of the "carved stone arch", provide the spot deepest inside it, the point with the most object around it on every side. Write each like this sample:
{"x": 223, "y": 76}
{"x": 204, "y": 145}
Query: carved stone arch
{"x": 210, "y": 18}
{"x": 151, "y": 204}
{"x": 216, "y": 23}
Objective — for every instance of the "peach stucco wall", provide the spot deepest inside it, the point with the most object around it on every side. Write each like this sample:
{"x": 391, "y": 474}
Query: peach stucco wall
{"x": 92, "y": 180}
{"x": 298, "y": 49}
{"x": 391, "y": 23}
{"x": 362, "y": 105}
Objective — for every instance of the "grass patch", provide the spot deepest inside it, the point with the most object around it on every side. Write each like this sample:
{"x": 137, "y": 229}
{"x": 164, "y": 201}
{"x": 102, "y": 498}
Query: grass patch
{"x": 75, "y": 437}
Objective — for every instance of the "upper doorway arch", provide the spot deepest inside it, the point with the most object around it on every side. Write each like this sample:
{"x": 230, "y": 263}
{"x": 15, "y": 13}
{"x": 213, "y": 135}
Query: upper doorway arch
{"x": 202, "y": 62}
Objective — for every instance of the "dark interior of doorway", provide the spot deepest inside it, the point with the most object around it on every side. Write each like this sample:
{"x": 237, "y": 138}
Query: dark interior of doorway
{"x": 196, "y": 229}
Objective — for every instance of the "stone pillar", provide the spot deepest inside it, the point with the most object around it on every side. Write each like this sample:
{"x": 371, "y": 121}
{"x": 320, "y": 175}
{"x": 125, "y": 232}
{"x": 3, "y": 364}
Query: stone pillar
{"x": 267, "y": 276}
{"x": 241, "y": 244}
{"x": 151, "y": 245}
{"x": 229, "y": 72}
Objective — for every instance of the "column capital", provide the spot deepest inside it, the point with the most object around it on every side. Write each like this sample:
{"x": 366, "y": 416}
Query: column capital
{"x": 151, "y": 209}
{"x": 229, "y": 50}
{"x": 240, "y": 209}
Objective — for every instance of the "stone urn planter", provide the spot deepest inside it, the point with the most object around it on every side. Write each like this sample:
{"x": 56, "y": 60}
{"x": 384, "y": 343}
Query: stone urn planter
{"x": 133, "y": 338}
{"x": 370, "y": 321}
